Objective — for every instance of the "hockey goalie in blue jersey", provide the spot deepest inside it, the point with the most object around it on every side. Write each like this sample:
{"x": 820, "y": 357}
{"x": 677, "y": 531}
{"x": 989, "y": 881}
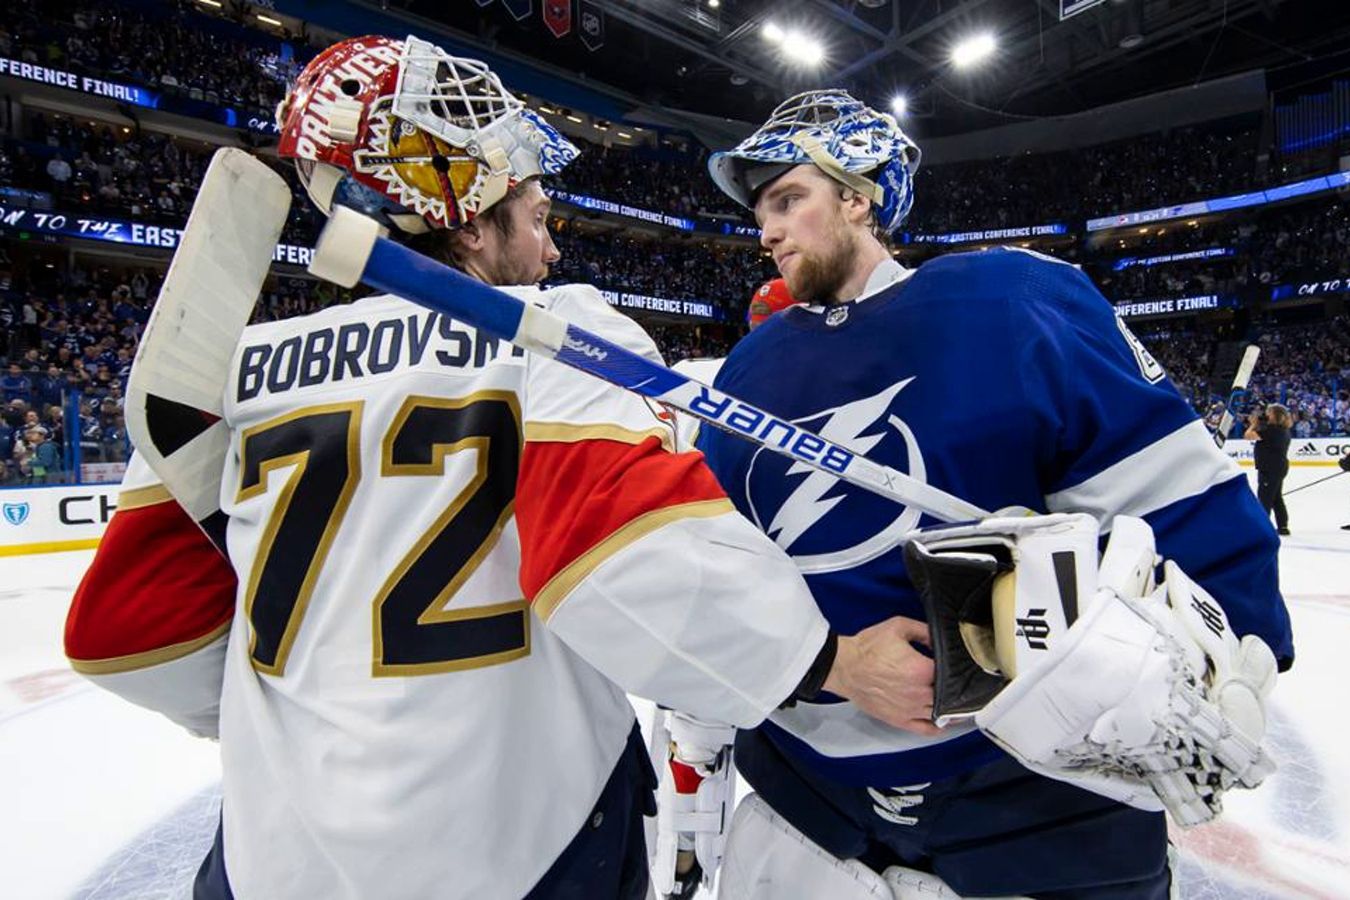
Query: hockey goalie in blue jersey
{"x": 1005, "y": 378}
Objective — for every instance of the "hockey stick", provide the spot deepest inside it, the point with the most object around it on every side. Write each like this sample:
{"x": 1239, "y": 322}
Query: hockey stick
{"x": 1304, "y": 487}
{"x": 175, "y": 395}
{"x": 1240, "y": 381}
{"x": 351, "y": 249}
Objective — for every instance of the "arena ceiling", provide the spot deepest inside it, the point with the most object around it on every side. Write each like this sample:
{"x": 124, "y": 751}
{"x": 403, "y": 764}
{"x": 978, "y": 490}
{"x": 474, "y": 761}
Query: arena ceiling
{"x": 689, "y": 55}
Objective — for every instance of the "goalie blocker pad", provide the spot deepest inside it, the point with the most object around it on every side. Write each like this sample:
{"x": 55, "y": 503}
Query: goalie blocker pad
{"x": 996, "y": 593}
{"x": 175, "y": 394}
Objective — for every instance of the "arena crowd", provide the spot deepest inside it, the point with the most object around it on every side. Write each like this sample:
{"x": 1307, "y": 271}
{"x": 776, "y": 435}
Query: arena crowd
{"x": 71, "y": 331}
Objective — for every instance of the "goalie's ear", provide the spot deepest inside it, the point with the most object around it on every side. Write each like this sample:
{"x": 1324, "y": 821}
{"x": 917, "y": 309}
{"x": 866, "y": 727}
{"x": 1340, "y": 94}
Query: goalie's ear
{"x": 468, "y": 238}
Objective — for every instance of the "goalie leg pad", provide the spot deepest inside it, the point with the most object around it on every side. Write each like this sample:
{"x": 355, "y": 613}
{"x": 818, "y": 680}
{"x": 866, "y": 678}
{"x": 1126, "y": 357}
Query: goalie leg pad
{"x": 910, "y": 884}
{"x": 694, "y": 802}
{"x": 768, "y": 859}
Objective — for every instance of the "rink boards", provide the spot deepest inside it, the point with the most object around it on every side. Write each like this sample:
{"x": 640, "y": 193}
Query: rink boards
{"x": 47, "y": 519}
{"x": 1302, "y": 451}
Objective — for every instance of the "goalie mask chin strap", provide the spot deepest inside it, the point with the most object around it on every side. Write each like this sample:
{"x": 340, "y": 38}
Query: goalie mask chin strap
{"x": 811, "y": 146}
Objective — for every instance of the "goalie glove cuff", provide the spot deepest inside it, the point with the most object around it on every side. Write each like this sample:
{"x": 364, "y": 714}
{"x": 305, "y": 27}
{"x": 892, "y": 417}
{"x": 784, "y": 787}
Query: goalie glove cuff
{"x": 996, "y": 594}
{"x": 956, "y": 589}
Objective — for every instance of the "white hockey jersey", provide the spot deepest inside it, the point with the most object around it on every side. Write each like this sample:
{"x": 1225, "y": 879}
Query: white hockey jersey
{"x": 702, "y": 369}
{"x": 452, "y": 559}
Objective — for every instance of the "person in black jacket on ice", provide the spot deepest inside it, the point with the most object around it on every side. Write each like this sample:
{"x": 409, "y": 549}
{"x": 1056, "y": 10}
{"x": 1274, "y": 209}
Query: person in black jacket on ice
{"x": 1344, "y": 463}
{"x": 1271, "y": 436}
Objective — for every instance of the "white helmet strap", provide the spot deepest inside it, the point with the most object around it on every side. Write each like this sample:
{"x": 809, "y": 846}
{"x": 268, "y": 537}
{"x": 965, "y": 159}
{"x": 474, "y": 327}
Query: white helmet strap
{"x": 498, "y": 180}
{"x": 811, "y": 146}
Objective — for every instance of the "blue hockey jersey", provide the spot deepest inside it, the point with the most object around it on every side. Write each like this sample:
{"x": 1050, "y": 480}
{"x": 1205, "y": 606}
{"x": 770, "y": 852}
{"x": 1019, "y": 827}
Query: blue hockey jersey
{"x": 1005, "y": 378}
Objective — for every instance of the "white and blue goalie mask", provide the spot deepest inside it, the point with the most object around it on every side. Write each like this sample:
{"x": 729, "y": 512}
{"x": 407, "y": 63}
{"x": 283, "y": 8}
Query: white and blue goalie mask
{"x": 845, "y": 138}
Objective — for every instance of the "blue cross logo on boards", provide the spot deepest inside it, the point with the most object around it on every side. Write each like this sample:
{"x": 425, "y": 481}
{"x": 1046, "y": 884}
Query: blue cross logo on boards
{"x": 16, "y": 513}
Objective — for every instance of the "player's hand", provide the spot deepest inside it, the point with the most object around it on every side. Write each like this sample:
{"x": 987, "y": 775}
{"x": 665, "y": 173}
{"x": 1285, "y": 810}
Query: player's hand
{"x": 879, "y": 671}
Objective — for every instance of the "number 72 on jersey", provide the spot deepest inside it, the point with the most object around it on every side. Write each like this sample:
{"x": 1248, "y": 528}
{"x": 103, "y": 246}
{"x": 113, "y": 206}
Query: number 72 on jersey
{"x": 318, "y": 449}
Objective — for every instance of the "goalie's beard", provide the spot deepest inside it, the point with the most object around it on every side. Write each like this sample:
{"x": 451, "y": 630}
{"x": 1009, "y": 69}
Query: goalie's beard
{"x": 509, "y": 270}
{"x": 818, "y": 278}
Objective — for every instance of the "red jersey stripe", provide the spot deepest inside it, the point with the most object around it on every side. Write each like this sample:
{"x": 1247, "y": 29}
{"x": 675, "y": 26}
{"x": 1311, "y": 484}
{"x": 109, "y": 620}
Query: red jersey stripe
{"x": 157, "y": 590}
{"x": 571, "y": 497}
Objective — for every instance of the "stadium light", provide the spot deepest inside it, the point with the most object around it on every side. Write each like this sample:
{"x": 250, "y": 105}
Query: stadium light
{"x": 974, "y": 49}
{"x": 772, "y": 33}
{"x": 802, "y": 49}
{"x": 269, "y": 20}
{"x": 713, "y": 4}
{"x": 899, "y": 105}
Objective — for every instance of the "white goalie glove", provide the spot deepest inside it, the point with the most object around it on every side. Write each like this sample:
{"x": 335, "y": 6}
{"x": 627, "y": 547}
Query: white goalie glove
{"x": 693, "y": 803}
{"x": 1093, "y": 674}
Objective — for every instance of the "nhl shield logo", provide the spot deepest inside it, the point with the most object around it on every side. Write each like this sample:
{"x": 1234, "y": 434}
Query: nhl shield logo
{"x": 837, "y": 316}
{"x": 16, "y": 513}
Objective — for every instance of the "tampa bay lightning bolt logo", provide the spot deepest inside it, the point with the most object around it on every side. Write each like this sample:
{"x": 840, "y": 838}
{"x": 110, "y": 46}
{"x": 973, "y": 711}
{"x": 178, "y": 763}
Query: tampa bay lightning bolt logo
{"x": 16, "y": 513}
{"x": 824, "y": 524}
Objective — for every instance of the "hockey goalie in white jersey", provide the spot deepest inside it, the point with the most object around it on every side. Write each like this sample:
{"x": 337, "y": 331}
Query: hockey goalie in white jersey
{"x": 452, "y": 559}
